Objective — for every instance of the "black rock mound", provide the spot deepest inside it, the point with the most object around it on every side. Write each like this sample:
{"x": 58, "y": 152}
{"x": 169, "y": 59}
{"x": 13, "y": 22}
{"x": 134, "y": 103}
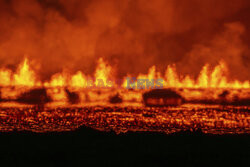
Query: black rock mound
{"x": 115, "y": 99}
{"x": 34, "y": 96}
{"x": 73, "y": 97}
{"x": 162, "y": 97}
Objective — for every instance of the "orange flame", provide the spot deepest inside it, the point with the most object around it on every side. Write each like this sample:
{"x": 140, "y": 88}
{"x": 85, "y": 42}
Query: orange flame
{"x": 57, "y": 80}
{"x": 23, "y": 77}
{"x": 102, "y": 73}
{"x": 214, "y": 79}
{"x": 79, "y": 80}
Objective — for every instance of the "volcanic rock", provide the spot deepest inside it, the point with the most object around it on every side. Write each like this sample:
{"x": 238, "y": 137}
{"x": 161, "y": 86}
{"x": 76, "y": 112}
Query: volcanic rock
{"x": 162, "y": 97}
{"x": 73, "y": 97}
{"x": 115, "y": 99}
{"x": 34, "y": 96}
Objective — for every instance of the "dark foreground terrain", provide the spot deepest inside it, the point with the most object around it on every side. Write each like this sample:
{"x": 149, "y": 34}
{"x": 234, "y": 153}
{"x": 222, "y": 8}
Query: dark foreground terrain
{"x": 88, "y": 147}
{"x": 124, "y": 136}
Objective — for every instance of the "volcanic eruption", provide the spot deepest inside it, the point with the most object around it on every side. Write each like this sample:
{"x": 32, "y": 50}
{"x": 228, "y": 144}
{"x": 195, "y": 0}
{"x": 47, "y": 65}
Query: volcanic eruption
{"x": 160, "y": 55}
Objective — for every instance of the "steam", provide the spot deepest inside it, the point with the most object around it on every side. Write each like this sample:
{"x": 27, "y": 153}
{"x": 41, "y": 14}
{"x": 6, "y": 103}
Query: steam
{"x": 132, "y": 35}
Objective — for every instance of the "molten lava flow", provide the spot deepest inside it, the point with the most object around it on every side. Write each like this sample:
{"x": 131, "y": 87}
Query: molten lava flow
{"x": 209, "y": 119}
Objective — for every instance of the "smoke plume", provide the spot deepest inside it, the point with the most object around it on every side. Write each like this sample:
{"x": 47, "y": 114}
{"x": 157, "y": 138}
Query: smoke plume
{"x": 131, "y": 35}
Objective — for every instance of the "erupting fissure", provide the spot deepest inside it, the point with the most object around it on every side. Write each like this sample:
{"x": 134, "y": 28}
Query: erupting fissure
{"x": 214, "y": 78}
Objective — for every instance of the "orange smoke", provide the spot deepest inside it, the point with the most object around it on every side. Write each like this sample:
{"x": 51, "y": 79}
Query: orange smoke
{"x": 132, "y": 34}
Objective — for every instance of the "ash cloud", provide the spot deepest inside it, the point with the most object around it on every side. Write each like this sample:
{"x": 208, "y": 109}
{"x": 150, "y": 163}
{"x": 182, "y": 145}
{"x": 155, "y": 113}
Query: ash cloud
{"x": 131, "y": 34}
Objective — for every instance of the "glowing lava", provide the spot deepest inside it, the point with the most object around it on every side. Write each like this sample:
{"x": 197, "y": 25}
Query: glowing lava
{"x": 208, "y": 78}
